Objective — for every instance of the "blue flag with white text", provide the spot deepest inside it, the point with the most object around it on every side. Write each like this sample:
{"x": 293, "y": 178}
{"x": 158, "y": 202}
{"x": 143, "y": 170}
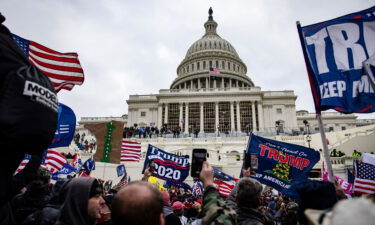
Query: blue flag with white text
{"x": 65, "y": 170}
{"x": 89, "y": 165}
{"x": 66, "y": 125}
{"x": 340, "y": 60}
{"x": 168, "y": 166}
{"x": 280, "y": 164}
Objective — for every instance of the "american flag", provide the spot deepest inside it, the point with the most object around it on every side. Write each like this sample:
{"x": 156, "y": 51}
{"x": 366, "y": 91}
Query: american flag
{"x": 63, "y": 69}
{"x": 130, "y": 151}
{"x": 24, "y": 162}
{"x": 54, "y": 161}
{"x": 124, "y": 181}
{"x": 214, "y": 71}
{"x": 197, "y": 188}
{"x": 364, "y": 182}
{"x": 224, "y": 187}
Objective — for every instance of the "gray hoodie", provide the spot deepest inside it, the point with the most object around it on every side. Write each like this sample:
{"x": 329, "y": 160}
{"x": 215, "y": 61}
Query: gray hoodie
{"x": 74, "y": 210}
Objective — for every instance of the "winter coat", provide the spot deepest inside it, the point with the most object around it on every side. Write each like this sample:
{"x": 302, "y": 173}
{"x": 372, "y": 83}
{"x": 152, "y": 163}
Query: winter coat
{"x": 171, "y": 218}
{"x": 249, "y": 217}
{"x": 29, "y": 202}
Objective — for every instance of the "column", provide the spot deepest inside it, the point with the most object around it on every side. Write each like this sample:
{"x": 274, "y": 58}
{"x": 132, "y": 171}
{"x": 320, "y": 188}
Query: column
{"x": 191, "y": 84}
{"x": 222, "y": 82}
{"x": 215, "y": 83}
{"x": 216, "y": 116}
{"x": 166, "y": 114}
{"x": 231, "y": 117}
{"x": 254, "y": 118}
{"x": 160, "y": 112}
{"x": 201, "y": 118}
{"x": 207, "y": 84}
{"x": 260, "y": 115}
{"x": 238, "y": 117}
{"x": 199, "y": 83}
{"x": 230, "y": 83}
{"x": 180, "y": 117}
{"x": 236, "y": 83}
{"x": 186, "y": 118}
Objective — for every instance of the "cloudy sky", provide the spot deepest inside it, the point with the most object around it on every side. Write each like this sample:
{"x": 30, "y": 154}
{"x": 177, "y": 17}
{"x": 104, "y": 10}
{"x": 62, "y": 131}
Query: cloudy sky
{"x": 134, "y": 47}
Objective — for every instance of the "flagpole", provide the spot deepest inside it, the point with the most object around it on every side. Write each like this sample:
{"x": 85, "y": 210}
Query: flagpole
{"x": 325, "y": 148}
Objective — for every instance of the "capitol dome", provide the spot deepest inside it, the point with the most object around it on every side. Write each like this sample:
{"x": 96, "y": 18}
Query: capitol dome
{"x": 211, "y": 51}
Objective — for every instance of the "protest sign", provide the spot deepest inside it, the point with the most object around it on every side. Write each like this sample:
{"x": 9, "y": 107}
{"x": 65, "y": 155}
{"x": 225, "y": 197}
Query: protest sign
{"x": 340, "y": 60}
{"x": 168, "y": 166}
{"x": 280, "y": 165}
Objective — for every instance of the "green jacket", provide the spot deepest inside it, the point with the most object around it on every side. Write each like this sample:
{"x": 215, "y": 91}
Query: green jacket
{"x": 214, "y": 209}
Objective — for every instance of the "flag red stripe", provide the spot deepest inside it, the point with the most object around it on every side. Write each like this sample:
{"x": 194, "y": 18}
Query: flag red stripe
{"x": 131, "y": 150}
{"x": 63, "y": 77}
{"x": 55, "y": 58}
{"x": 44, "y": 48}
{"x": 56, "y": 67}
{"x": 358, "y": 187}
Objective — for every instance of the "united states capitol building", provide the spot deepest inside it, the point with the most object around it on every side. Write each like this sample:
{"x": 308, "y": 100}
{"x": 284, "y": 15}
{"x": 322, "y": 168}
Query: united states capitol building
{"x": 223, "y": 107}
{"x": 197, "y": 101}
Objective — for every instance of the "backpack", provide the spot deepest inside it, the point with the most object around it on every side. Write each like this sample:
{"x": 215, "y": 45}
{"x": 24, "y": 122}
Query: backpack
{"x": 28, "y": 102}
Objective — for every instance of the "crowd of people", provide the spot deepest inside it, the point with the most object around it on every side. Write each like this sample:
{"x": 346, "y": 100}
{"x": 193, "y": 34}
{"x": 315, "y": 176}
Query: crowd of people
{"x": 87, "y": 201}
{"x": 86, "y": 143}
{"x": 150, "y": 132}
{"x": 335, "y": 153}
{"x": 30, "y": 198}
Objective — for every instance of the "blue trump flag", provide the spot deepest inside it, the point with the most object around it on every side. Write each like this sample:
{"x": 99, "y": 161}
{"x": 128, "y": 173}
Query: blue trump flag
{"x": 340, "y": 60}
{"x": 65, "y": 170}
{"x": 66, "y": 125}
{"x": 167, "y": 166}
{"x": 89, "y": 165}
{"x": 280, "y": 165}
{"x": 121, "y": 171}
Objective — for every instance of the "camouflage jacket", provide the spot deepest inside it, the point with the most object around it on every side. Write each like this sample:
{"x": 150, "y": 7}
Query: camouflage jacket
{"x": 214, "y": 209}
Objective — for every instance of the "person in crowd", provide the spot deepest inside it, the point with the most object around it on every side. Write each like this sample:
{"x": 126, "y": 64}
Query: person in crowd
{"x": 170, "y": 216}
{"x": 334, "y": 153}
{"x": 48, "y": 215}
{"x": 356, "y": 154}
{"x": 214, "y": 209}
{"x": 287, "y": 214}
{"x": 314, "y": 194}
{"x": 105, "y": 212}
{"x": 245, "y": 199}
{"x": 178, "y": 208}
{"x": 82, "y": 202}
{"x": 35, "y": 198}
{"x": 138, "y": 203}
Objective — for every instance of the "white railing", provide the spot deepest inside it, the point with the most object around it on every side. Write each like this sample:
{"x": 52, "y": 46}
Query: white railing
{"x": 349, "y": 136}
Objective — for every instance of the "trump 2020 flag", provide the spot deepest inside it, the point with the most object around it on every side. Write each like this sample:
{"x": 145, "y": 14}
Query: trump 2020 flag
{"x": 168, "y": 166}
{"x": 339, "y": 56}
{"x": 66, "y": 126}
{"x": 281, "y": 165}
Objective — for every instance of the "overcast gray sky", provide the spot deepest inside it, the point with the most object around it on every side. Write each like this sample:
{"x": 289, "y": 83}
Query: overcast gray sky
{"x": 134, "y": 47}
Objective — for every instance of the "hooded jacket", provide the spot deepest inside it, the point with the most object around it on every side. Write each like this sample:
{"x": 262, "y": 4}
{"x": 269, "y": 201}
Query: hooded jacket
{"x": 74, "y": 210}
